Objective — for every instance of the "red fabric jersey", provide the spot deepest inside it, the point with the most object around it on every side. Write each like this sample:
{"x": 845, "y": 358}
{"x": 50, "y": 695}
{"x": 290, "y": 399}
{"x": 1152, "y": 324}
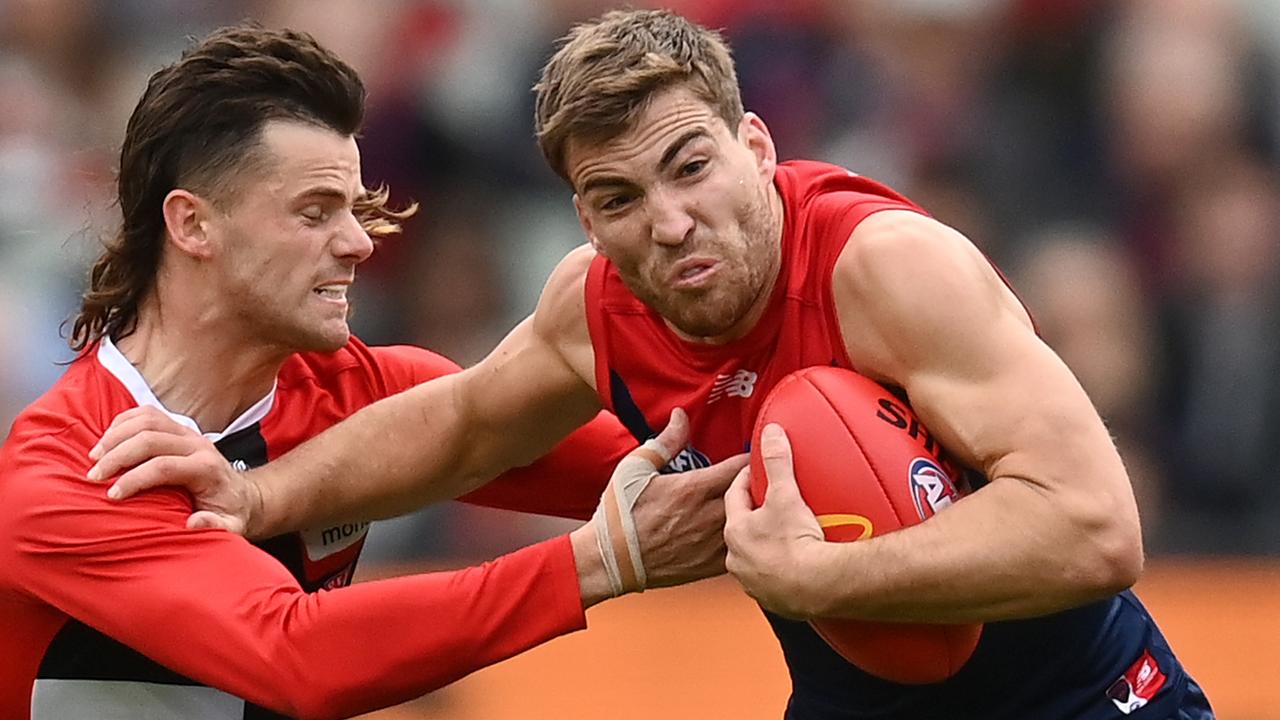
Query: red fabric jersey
{"x": 117, "y": 606}
{"x": 643, "y": 370}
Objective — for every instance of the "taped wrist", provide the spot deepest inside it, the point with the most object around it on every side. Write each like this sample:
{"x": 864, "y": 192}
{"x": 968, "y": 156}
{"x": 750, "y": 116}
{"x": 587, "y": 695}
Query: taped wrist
{"x": 616, "y": 536}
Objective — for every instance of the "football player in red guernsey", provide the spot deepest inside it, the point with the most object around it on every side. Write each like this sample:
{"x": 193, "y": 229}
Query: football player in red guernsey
{"x": 712, "y": 272}
{"x": 220, "y": 314}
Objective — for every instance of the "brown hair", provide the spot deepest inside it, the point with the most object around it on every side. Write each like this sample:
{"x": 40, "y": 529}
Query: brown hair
{"x": 198, "y": 126}
{"x": 607, "y": 70}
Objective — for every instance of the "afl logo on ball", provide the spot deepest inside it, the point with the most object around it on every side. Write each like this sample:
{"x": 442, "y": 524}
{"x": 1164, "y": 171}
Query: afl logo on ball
{"x": 931, "y": 489}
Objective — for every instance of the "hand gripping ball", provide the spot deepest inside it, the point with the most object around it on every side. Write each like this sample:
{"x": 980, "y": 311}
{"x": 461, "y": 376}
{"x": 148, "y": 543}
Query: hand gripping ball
{"x": 866, "y": 466}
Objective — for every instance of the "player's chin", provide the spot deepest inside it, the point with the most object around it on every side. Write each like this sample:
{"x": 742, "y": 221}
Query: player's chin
{"x": 330, "y": 336}
{"x": 699, "y": 322}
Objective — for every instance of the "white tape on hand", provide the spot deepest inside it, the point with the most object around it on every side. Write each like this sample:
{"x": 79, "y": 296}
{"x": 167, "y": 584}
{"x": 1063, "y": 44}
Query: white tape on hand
{"x": 616, "y": 535}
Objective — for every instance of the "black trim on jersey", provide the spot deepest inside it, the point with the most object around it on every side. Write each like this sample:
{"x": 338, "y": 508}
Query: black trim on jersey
{"x": 624, "y": 406}
{"x": 78, "y": 652}
{"x": 250, "y": 447}
{"x": 246, "y": 445}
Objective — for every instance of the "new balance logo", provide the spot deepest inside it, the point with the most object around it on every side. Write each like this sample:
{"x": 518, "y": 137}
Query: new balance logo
{"x": 739, "y": 384}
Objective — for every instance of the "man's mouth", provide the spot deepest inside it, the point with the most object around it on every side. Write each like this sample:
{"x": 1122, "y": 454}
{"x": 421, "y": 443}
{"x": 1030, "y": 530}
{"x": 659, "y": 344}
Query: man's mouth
{"x": 336, "y": 292}
{"x": 693, "y": 273}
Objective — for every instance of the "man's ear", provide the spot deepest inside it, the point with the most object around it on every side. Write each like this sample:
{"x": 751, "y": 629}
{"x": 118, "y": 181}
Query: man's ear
{"x": 753, "y": 133}
{"x": 186, "y": 223}
{"x": 586, "y": 224}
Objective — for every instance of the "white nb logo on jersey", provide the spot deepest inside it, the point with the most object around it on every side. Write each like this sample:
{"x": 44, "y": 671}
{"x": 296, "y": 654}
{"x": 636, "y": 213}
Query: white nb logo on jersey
{"x": 739, "y": 384}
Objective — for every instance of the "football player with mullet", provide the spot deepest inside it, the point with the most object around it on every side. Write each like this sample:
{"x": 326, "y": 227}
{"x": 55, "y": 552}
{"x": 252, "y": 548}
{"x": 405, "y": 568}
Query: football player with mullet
{"x": 220, "y": 314}
{"x": 713, "y": 271}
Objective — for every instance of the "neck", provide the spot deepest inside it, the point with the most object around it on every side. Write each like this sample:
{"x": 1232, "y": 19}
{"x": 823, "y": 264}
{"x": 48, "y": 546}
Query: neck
{"x": 760, "y": 303}
{"x": 196, "y": 364}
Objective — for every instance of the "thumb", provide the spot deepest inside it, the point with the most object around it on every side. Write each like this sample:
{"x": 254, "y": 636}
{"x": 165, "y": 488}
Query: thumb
{"x": 206, "y": 520}
{"x": 673, "y": 437}
{"x": 775, "y": 452}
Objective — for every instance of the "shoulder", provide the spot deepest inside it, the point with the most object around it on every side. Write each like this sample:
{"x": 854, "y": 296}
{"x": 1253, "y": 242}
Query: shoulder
{"x": 54, "y": 434}
{"x": 561, "y": 313}
{"x": 41, "y": 436}
{"x": 816, "y": 184}
{"x": 904, "y": 281}
{"x": 46, "y": 454}
{"x": 828, "y": 203}
{"x": 422, "y": 364}
{"x": 44, "y": 494}
{"x": 358, "y": 368}
{"x": 902, "y": 252}
{"x": 85, "y": 395}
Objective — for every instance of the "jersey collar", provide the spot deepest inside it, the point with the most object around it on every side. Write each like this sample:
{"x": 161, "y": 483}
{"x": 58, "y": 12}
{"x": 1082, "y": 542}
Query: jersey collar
{"x": 114, "y": 361}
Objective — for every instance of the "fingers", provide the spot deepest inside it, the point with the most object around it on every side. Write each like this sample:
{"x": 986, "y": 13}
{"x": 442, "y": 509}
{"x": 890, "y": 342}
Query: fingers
{"x": 134, "y": 421}
{"x": 143, "y": 446}
{"x": 775, "y": 452}
{"x": 669, "y": 442}
{"x": 737, "y": 499}
{"x": 165, "y": 470}
{"x": 717, "y": 478}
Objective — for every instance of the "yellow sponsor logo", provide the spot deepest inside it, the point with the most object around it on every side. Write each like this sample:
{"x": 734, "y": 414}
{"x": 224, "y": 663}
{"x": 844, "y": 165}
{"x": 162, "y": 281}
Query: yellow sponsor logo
{"x": 843, "y": 519}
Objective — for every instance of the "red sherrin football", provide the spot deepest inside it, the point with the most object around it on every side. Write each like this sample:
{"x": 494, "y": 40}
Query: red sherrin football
{"x": 866, "y": 466}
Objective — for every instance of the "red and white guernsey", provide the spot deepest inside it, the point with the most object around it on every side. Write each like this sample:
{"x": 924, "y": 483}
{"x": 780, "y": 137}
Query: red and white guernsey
{"x": 115, "y": 609}
{"x": 1063, "y": 666}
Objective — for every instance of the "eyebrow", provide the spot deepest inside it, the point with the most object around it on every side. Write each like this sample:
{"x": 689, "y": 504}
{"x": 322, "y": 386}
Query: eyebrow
{"x": 321, "y": 192}
{"x": 675, "y": 147}
{"x": 612, "y": 181}
{"x": 597, "y": 183}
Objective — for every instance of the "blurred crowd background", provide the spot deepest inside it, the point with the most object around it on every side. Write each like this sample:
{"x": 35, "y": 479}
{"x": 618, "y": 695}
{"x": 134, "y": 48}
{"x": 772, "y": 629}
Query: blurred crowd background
{"x": 1117, "y": 158}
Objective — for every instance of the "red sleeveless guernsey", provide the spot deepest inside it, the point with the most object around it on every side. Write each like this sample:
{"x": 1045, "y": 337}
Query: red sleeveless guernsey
{"x": 1073, "y": 665}
{"x": 643, "y": 369}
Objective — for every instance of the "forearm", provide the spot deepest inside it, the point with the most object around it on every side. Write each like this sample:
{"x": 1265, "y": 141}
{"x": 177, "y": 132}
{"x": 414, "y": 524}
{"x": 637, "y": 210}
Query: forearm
{"x": 568, "y": 481}
{"x": 432, "y": 442}
{"x": 404, "y": 637}
{"x": 1011, "y": 550}
{"x": 391, "y": 457}
{"x": 250, "y": 631}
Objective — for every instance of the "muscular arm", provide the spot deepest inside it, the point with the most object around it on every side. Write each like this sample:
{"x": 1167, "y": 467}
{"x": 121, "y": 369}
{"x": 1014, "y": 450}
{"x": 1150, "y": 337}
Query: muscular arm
{"x": 448, "y": 436}
{"x": 1057, "y": 526}
{"x": 566, "y": 482}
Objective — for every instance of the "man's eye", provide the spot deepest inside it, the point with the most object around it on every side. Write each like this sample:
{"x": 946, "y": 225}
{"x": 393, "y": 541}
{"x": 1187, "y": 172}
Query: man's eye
{"x": 617, "y": 202}
{"x": 693, "y": 168}
{"x": 315, "y": 213}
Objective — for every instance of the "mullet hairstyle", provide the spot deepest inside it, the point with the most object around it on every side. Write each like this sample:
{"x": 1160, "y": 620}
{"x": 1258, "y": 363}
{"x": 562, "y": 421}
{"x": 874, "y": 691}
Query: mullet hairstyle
{"x": 198, "y": 126}
{"x": 607, "y": 70}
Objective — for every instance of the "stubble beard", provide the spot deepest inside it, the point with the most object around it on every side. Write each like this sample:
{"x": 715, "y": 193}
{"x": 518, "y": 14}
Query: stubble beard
{"x": 745, "y": 271}
{"x": 285, "y": 328}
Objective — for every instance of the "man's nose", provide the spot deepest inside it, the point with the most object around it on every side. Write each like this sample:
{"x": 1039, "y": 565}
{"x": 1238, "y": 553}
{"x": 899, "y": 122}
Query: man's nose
{"x": 353, "y": 244}
{"x": 670, "y": 222}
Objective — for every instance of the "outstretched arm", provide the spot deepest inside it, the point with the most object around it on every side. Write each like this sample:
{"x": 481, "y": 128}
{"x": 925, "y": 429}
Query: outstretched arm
{"x": 233, "y": 617}
{"x": 432, "y": 442}
{"x": 566, "y": 482}
{"x": 238, "y": 621}
{"x": 1057, "y": 525}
